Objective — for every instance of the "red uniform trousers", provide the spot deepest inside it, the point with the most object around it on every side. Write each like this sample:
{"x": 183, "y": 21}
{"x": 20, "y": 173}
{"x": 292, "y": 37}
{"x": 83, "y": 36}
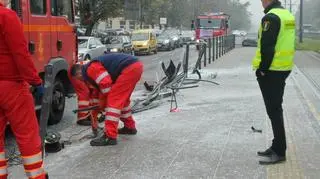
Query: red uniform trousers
{"x": 17, "y": 108}
{"x": 86, "y": 97}
{"x": 117, "y": 99}
{"x": 83, "y": 95}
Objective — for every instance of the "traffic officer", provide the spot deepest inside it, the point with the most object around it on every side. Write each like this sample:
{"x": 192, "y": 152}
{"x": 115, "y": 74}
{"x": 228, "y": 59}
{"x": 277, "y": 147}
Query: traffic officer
{"x": 115, "y": 77}
{"x": 273, "y": 63}
{"x": 17, "y": 73}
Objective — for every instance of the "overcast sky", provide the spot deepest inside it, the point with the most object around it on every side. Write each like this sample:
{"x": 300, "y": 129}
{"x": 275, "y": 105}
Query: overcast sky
{"x": 256, "y": 10}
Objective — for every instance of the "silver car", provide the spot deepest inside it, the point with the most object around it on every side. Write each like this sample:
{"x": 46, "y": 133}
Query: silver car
{"x": 89, "y": 48}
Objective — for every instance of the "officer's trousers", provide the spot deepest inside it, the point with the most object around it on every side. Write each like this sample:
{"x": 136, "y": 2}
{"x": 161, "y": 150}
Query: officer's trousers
{"x": 272, "y": 86}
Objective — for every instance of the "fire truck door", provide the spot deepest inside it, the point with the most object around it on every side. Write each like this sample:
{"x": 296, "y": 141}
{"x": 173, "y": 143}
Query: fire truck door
{"x": 39, "y": 32}
{"x": 54, "y": 29}
{"x": 65, "y": 42}
{"x": 16, "y": 5}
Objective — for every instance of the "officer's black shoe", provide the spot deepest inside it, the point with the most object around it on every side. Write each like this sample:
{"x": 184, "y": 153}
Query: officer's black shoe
{"x": 127, "y": 131}
{"x": 103, "y": 141}
{"x": 272, "y": 159}
{"x": 265, "y": 153}
{"x": 84, "y": 122}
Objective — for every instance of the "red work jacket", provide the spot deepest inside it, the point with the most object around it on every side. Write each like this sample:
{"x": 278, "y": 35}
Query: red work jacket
{"x": 15, "y": 61}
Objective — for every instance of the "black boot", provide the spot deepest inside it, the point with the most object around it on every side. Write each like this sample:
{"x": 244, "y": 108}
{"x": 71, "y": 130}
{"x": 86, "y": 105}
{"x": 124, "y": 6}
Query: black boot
{"x": 127, "y": 131}
{"x": 103, "y": 141}
{"x": 101, "y": 118}
{"x": 84, "y": 122}
{"x": 265, "y": 153}
{"x": 272, "y": 159}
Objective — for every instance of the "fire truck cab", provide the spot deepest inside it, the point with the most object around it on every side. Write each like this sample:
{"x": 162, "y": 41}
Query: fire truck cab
{"x": 211, "y": 25}
{"x": 51, "y": 35}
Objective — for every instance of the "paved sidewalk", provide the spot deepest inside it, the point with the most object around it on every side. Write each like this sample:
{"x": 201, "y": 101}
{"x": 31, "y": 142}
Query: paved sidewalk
{"x": 210, "y": 137}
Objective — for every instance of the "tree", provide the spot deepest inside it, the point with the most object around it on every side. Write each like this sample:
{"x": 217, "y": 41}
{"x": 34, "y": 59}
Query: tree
{"x": 92, "y": 11}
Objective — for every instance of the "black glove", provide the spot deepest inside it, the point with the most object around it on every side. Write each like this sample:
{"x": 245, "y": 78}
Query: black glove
{"x": 261, "y": 73}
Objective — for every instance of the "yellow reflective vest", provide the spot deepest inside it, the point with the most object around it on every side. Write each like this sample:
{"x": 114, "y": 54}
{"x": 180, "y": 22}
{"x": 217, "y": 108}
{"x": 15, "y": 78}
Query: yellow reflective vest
{"x": 285, "y": 47}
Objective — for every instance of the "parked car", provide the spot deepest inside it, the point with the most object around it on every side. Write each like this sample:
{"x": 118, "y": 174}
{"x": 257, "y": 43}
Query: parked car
{"x": 117, "y": 44}
{"x": 188, "y": 37}
{"x": 144, "y": 41}
{"x": 175, "y": 36}
{"x": 165, "y": 42}
{"x": 251, "y": 40}
{"x": 89, "y": 48}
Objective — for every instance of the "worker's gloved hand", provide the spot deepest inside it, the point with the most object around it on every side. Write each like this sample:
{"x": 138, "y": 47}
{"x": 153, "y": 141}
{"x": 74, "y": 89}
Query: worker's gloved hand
{"x": 39, "y": 91}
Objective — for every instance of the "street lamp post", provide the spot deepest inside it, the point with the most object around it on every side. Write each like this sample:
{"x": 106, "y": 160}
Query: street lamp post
{"x": 285, "y": 3}
{"x": 301, "y": 22}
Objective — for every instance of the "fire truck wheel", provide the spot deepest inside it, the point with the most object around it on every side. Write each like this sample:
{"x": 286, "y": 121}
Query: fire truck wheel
{"x": 58, "y": 102}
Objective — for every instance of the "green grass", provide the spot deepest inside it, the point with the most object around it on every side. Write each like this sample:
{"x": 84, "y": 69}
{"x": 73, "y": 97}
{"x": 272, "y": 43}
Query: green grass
{"x": 308, "y": 44}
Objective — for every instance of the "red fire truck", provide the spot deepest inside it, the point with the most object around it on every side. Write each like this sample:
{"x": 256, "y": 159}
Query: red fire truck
{"x": 50, "y": 31}
{"x": 211, "y": 25}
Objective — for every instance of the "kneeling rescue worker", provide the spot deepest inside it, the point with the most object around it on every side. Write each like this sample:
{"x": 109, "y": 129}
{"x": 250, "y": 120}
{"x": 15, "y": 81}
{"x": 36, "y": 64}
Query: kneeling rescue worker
{"x": 17, "y": 73}
{"x": 86, "y": 97}
{"x": 115, "y": 76}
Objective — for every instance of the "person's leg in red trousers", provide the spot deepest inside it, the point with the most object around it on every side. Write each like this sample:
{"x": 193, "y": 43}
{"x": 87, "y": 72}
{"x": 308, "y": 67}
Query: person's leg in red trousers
{"x": 129, "y": 123}
{"x": 119, "y": 96}
{"x": 117, "y": 99}
{"x": 17, "y": 107}
{"x": 83, "y": 94}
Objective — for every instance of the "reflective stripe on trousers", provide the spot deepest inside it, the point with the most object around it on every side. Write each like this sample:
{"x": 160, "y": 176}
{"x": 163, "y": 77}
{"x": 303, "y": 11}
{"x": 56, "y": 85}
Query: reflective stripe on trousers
{"x": 35, "y": 173}
{"x": 3, "y": 168}
{"x": 112, "y": 114}
{"x": 83, "y": 103}
{"x": 30, "y": 160}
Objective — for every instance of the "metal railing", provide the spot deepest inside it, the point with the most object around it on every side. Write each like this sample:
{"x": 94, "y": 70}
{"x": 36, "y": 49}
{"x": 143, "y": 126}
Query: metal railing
{"x": 210, "y": 50}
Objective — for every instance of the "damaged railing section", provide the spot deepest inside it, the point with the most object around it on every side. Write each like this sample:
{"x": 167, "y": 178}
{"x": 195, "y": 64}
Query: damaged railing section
{"x": 175, "y": 81}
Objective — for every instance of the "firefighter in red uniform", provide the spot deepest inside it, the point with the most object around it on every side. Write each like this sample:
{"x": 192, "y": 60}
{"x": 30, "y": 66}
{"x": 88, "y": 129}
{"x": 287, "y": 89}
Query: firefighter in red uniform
{"x": 83, "y": 94}
{"x": 86, "y": 97}
{"x": 17, "y": 73}
{"x": 115, "y": 76}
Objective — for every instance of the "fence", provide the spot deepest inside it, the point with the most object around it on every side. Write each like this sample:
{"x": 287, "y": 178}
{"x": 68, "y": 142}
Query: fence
{"x": 210, "y": 50}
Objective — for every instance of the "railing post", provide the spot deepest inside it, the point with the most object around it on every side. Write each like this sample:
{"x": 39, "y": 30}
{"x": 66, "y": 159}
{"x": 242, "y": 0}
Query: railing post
{"x": 209, "y": 50}
{"x": 213, "y": 49}
{"x": 217, "y": 47}
{"x": 234, "y": 41}
{"x": 220, "y": 45}
{"x": 205, "y": 56}
{"x": 187, "y": 60}
{"x": 200, "y": 51}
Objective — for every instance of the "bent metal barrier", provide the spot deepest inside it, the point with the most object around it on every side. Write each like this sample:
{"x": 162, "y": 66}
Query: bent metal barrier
{"x": 211, "y": 50}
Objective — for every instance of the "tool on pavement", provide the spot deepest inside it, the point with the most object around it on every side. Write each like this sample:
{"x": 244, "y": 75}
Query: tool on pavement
{"x": 91, "y": 108}
{"x": 256, "y": 130}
